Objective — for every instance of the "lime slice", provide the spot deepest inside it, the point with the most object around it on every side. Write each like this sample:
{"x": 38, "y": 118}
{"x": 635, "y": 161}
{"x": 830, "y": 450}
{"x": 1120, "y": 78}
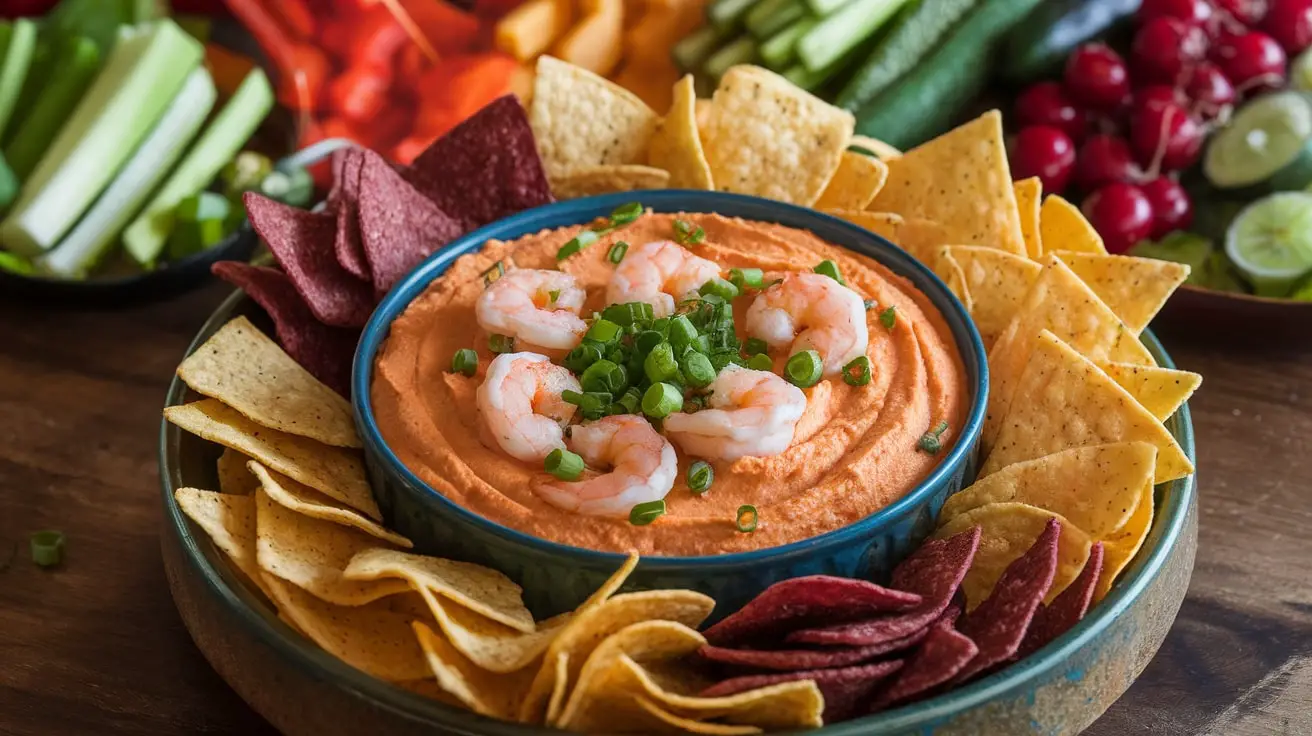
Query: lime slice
{"x": 1268, "y": 140}
{"x": 1300, "y": 72}
{"x": 1270, "y": 242}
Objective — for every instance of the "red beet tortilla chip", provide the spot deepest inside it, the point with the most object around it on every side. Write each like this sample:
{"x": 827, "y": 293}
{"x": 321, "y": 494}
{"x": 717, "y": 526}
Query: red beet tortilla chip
{"x": 347, "y": 245}
{"x": 933, "y": 572}
{"x": 791, "y": 660}
{"x": 326, "y": 352}
{"x": 1066, "y": 610}
{"x": 484, "y": 169}
{"x": 846, "y": 689}
{"x": 943, "y": 653}
{"x": 999, "y": 624}
{"x": 399, "y": 226}
{"x": 807, "y": 601}
{"x": 302, "y": 241}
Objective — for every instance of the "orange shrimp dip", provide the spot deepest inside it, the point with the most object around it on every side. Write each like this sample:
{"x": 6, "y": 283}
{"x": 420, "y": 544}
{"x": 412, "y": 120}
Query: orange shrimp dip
{"x": 854, "y": 450}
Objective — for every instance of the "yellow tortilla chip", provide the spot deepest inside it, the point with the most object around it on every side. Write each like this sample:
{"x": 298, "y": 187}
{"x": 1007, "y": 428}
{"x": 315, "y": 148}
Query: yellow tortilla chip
{"x": 308, "y": 502}
{"x": 246, "y": 370}
{"x": 884, "y": 224}
{"x": 480, "y": 589}
{"x": 234, "y": 476}
{"x": 786, "y": 706}
{"x": 1069, "y": 402}
{"x": 960, "y": 180}
{"x": 1160, "y": 390}
{"x": 372, "y": 638}
{"x": 581, "y": 120}
{"x": 676, "y": 146}
{"x": 1028, "y": 194}
{"x": 1119, "y": 550}
{"x": 767, "y": 137}
{"x": 882, "y": 150}
{"x": 334, "y": 471}
{"x": 490, "y": 645}
{"x": 1134, "y": 288}
{"x": 950, "y": 271}
{"x": 313, "y": 554}
{"x": 855, "y": 183}
{"x": 229, "y": 520}
{"x": 1096, "y": 488}
{"x": 997, "y": 282}
{"x": 1059, "y": 301}
{"x": 920, "y": 237}
{"x": 486, "y": 693}
{"x": 607, "y": 179}
{"x": 1008, "y": 530}
{"x": 687, "y": 725}
{"x": 1062, "y": 227}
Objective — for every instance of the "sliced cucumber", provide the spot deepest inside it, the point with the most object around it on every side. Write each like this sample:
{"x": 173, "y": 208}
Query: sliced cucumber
{"x": 1268, "y": 143}
{"x": 14, "y": 63}
{"x": 1270, "y": 242}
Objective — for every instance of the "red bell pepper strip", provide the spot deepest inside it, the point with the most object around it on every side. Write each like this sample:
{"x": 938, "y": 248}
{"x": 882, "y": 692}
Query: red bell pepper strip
{"x": 296, "y": 18}
{"x": 302, "y": 69}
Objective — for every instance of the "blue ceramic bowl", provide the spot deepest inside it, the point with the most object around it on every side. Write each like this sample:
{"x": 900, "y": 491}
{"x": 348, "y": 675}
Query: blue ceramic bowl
{"x": 557, "y": 577}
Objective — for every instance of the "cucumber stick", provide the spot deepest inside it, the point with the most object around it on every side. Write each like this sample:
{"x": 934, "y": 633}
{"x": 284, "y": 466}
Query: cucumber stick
{"x": 141, "y": 77}
{"x": 77, "y": 63}
{"x": 222, "y": 139}
{"x": 771, "y": 16}
{"x": 780, "y": 50}
{"x": 844, "y": 30}
{"x": 14, "y": 63}
{"x": 122, "y": 199}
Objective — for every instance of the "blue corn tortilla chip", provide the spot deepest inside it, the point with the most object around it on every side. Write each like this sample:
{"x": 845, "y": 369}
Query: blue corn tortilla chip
{"x": 399, "y": 227}
{"x": 943, "y": 653}
{"x": 847, "y": 690}
{"x": 790, "y": 660}
{"x": 1066, "y": 610}
{"x": 345, "y": 206}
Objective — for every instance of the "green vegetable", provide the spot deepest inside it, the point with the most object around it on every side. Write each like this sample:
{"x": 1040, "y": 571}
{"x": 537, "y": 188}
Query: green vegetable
{"x": 661, "y": 400}
{"x": 686, "y": 234}
{"x": 804, "y": 369}
{"x": 843, "y": 31}
{"x": 888, "y": 318}
{"x": 746, "y": 519}
{"x": 746, "y": 278}
{"x": 625, "y": 213}
{"x": 200, "y": 222}
{"x": 930, "y": 98}
{"x": 911, "y": 37}
{"x": 780, "y": 50}
{"x": 74, "y": 69}
{"x": 931, "y": 441}
{"x": 244, "y": 173}
{"x": 772, "y": 16}
{"x": 1266, "y": 147}
{"x": 228, "y": 132}
{"x": 500, "y": 343}
{"x": 47, "y": 548}
{"x": 603, "y": 331}
{"x": 563, "y": 464}
{"x": 496, "y": 271}
{"x": 742, "y": 51}
{"x": 15, "y": 264}
{"x": 645, "y": 513}
{"x": 857, "y": 372}
{"x": 1270, "y": 242}
{"x": 140, "y": 80}
{"x": 659, "y": 365}
{"x": 1038, "y": 48}
{"x": 700, "y": 477}
{"x": 17, "y": 46}
{"x": 199, "y": 27}
{"x": 576, "y": 244}
{"x": 465, "y": 361}
{"x": 696, "y": 47}
{"x": 728, "y": 14}
{"x": 99, "y": 20}
{"x": 605, "y": 376}
{"x": 617, "y": 251}
{"x": 830, "y": 269}
{"x": 582, "y": 356}
{"x": 79, "y": 251}
{"x": 719, "y": 287}
{"x": 760, "y": 362}
{"x": 292, "y": 186}
{"x": 9, "y": 186}
{"x": 755, "y": 346}
{"x": 682, "y": 333}
{"x": 697, "y": 369}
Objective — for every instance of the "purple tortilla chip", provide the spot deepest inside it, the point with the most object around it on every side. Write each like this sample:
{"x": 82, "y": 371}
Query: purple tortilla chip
{"x": 326, "y": 352}
{"x": 943, "y": 653}
{"x": 486, "y": 168}
{"x": 302, "y": 242}
{"x": 846, "y": 689}
{"x": 998, "y": 625}
{"x": 807, "y": 601}
{"x": 790, "y": 660}
{"x": 1066, "y": 610}
{"x": 934, "y": 572}
{"x": 399, "y": 226}
{"x": 347, "y": 245}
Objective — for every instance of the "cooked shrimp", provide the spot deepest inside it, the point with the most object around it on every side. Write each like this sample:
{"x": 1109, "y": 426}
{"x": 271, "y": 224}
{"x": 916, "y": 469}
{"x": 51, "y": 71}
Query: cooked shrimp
{"x": 661, "y": 273}
{"x": 534, "y": 307}
{"x": 521, "y": 404}
{"x": 642, "y": 467}
{"x": 751, "y": 413}
{"x": 808, "y": 311}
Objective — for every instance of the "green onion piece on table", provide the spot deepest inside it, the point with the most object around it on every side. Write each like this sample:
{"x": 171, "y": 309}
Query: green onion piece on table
{"x": 888, "y": 317}
{"x": 697, "y": 369}
{"x": 626, "y": 213}
{"x": 500, "y": 343}
{"x": 857, "y": 372}
{"x": 603, "y": 331}
{"x": 576, "y": 244}
{"x": 645, "y": 513}
{"x": 746, "y": 519}
{"x": 804, "y": 369}
{"x": 760, "y": 362}
{"x": 47, "y": 548}
{"x": 464, "y": 361}
{"x": 747, "y": 278}
{"x": 755, "y": 346}
{"x": 719, "y": 287}
{"x": 661, "y": 400}
{"x": 617, "y": 251}
{"x": 660, "y": 364}
{"x": 564, "y": 464}
{"x": 830, "y": 269}
{"x": 931, "y": 441}
{"x": 700, "y": 477}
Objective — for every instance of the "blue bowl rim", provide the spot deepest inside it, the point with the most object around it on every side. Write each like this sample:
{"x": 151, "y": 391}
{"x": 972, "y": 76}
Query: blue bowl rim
{"x": 587, "y": 209}
{"x": 226, "y": 586}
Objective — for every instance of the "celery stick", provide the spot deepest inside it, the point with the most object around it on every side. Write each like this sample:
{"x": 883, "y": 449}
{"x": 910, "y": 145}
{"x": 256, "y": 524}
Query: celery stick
{"x": 141, "y": 77}
{"x": 689, "y": 53}
{"x": 78, "y": 62}
{"x": 150, "y": 163}
{"x": 771, "y": 16}
{"x": 843, "y": 31}
{"x": 9, "y": 185}
{"x": 14, "y": 64}
{"x": 223, "y": 138}
{"x": 728, "y": 15}
{"x": 780, "y": 50}
{"x": 742, "y": 51}
{"x": 825, "y": 7}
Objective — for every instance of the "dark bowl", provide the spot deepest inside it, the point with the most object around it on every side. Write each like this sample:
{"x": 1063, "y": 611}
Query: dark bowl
{"x": 1234, "y": 318}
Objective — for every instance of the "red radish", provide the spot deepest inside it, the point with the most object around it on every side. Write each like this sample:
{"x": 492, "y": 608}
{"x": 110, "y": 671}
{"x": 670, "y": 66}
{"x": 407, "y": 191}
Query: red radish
{"x": 1046, "y": 152}
{"x": 1104, "y": 159}
{"x": 1165, "y": 137}
{"x": 1096, "y": 76}
{"x": 1253, "y": 61}
{"x": 1046, "y": 103}
{"x": 1164, "y": 49}
{"x": 1193, "y": 12}
{"x": 1172, "y": 208}
{"x": 1122, "y": 215}
{"x": 1210, "y": 90}
{"x": 1246, "y": 12}
{"x": 1290, "y": 23}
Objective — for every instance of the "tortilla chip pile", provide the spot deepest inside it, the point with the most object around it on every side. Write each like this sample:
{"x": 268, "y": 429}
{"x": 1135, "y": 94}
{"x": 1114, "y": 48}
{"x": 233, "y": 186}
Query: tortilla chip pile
{"x": 868, "y": 648}
{"x": 296, "y": 517}
{"x": 379, "y": 222}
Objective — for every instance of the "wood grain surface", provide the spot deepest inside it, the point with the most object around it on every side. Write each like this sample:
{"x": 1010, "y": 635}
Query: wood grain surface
{"x": 95, "y": 645}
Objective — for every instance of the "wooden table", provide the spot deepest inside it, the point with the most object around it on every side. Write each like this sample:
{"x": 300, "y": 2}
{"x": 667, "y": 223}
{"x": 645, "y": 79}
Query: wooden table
{"x": 96, "y": 647}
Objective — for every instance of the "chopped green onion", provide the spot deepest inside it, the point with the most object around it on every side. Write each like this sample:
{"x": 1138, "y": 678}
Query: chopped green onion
{"x": 631, "y": 400}
{"x": 931, "y": 441}
{"x": 719, "y": 287}
{"x": 582, "y": 356}
{"x": 552, "y": 296}
{"x": 686, "y": 234}
{"x": 576, "y": 244}
{"x": 617, "y": 251}
{"x": 616, "y": 355}
{"x": 869, "y": 304}
{"x": 697, "y": 369}
{"x": 746, "y": 519}
{"x": 500, "y": 343}
{"x": 626, "y": 213}
{"x": 659, "y": 365}
{"x": 760, "y": 362}
{"x": 804, "y": 369}
{"x": 755, "y": 346}
{"x": 646, "y": 340}
{"x": 564, "y": 464}
{"x": 605, "y": 375}
{"x": 857, "y": 372}
{"x": 747, "y": 278}
{"x": 628, "y": 313}
{"x": 603, "y": 331}
{"x": 700, "y": 477}
{"x": 888, "y": 317}
{"x": 694, "y": 404}
{"x": 47, "y": 548}
{"x": 722, "y": 358}
{"x": 661, "y": 400}
{"x": 498, "y": 268}
{"x": 645, "y": 513}
{"x": 464, "y": 361}
{"x": 571, "y": 397}
{"x": 701, "y": 344}
{"x": 830, "y": 269}
{"x": 682, "y": 332}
